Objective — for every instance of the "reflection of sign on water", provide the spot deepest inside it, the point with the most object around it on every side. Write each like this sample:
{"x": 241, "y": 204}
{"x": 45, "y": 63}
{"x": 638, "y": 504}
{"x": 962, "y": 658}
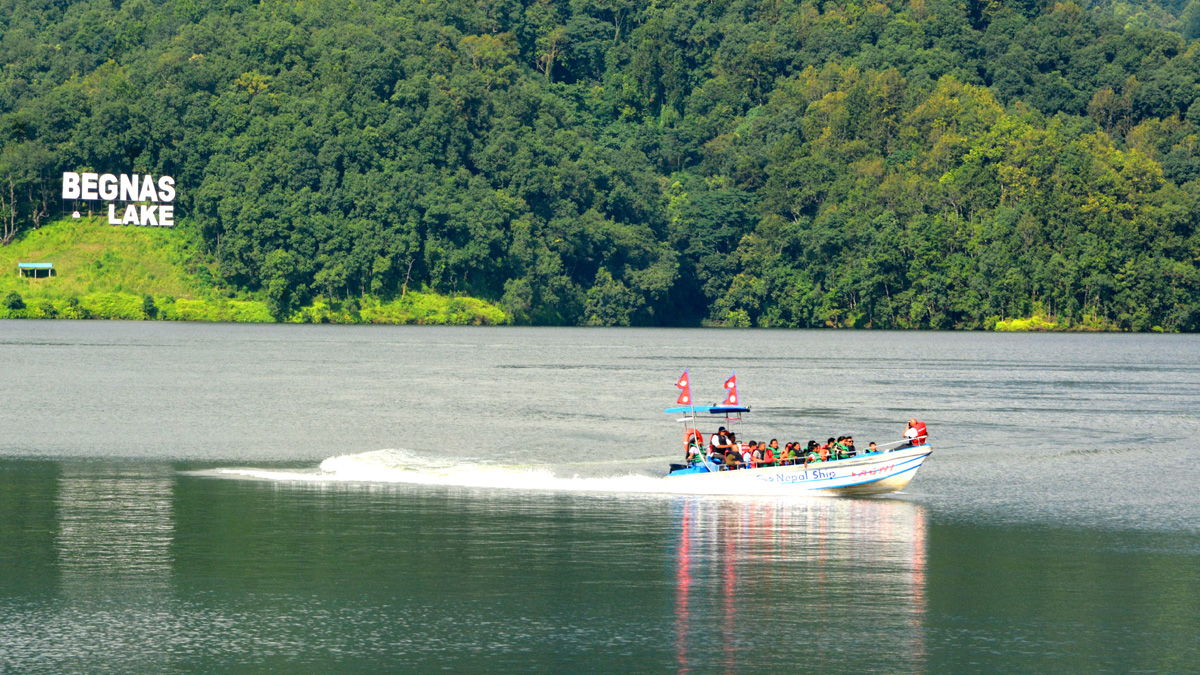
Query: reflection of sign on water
{"x": 148, "y": 201}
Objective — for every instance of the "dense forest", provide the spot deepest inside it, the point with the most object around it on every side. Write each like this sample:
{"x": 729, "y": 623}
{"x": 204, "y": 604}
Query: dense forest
{"x": 900, "y": 164}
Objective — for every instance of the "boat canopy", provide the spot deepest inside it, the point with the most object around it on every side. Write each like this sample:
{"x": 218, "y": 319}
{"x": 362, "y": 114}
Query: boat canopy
{"x": 710, "y": 409}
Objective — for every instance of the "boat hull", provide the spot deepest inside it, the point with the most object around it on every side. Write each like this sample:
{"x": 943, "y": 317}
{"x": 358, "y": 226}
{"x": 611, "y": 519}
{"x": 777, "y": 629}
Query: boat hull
{"x": 877, "y": 473}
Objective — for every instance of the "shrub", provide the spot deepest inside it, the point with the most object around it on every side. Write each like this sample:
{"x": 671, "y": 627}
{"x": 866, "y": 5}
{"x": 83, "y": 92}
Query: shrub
{"x": 76, "y": 310}
{"x": 14, "y": 301}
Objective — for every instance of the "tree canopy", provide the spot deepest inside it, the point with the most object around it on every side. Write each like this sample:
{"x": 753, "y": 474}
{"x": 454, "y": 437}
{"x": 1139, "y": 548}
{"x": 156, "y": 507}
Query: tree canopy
{"x": 913, "y": 163}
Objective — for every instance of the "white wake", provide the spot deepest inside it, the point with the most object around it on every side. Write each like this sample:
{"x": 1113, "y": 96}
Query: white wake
{"x": 401, "y": 466}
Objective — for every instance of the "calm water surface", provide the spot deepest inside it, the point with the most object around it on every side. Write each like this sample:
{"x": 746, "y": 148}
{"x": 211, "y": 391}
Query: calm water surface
{"x": 218, "y": 498}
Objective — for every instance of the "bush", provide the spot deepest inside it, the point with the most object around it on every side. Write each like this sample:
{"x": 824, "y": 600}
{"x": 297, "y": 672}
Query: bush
{"x": 149, "y": 307}
{"x": 14, "y": 301}
{"x": 76, "y": 310}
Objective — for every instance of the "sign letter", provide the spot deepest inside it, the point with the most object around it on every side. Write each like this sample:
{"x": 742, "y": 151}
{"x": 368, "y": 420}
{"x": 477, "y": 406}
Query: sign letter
{"x": 70, "y": 185}
{"x": 149, "y": 194}
{"x": 88, "y": 186}
{"x": 129, "y": 188}
{"x": 166, "y": 188}
{"x": 108, "y": 187}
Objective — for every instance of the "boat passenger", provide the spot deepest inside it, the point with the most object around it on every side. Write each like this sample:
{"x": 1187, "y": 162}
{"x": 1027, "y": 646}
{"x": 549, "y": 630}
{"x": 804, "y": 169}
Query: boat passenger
{"x": 922, "y": 432}
{"x": 757, "y": 453}
{"x": 851, "y": 451}
{"x": 872, "y": 449}
{"x": 733, "y": 460}
{"x": 693, "y": 452}
{"x": 768, "y": 453}
{"x": 911, "y": 432}
{"x": 747, "y": 456}
{"x": 717, "y": 443}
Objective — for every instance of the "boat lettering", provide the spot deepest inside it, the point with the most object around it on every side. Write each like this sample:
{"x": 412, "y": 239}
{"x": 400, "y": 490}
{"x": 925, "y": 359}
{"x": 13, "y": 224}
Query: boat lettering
{"x": 871, "y": 472}
{"x": 798, "y": 477}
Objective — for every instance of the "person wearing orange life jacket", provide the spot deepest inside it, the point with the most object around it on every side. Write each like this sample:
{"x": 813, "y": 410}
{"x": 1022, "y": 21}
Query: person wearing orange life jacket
{"x": 922, "y": 432}
{"x": 769, "y": 458}
{"x": 693, "y": 442}
{"x": 916, "y": 433}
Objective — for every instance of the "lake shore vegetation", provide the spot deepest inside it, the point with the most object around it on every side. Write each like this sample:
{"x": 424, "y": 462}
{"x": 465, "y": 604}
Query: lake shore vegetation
{"x": 899, "y": 164}
{"x": 146, "y": 273}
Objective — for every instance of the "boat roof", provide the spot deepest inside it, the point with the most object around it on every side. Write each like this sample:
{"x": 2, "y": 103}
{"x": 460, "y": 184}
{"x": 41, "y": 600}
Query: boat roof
{"x": 710, "y": 409}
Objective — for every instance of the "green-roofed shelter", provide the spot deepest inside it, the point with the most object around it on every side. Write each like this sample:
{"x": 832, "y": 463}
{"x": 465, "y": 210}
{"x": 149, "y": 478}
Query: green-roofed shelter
{"x": 35, "y": 268}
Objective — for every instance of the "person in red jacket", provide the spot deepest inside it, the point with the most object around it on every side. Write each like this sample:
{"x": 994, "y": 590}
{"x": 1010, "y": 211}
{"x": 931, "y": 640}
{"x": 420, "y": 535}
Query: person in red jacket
{"x": 916, "y": 432}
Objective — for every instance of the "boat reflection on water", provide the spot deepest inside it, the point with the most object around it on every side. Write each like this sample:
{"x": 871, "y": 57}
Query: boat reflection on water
{"x": 840, "y": 581}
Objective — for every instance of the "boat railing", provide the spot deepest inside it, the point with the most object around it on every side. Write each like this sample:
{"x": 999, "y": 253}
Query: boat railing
{"x": 895, "y": 445}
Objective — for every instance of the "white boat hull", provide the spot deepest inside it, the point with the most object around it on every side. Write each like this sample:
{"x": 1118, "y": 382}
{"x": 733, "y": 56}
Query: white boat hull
{"x": 866, "y": 475}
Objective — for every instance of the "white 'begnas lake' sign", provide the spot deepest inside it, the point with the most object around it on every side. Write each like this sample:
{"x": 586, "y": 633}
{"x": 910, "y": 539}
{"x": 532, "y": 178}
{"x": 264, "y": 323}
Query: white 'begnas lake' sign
{"x": 148, "y": 201}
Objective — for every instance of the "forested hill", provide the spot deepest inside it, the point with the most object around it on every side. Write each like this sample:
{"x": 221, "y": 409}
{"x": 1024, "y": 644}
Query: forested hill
{"x": 917, "y": 163}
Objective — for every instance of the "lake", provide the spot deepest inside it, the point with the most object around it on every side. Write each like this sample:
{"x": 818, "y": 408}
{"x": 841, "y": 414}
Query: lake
{"x": 234, "y": 498}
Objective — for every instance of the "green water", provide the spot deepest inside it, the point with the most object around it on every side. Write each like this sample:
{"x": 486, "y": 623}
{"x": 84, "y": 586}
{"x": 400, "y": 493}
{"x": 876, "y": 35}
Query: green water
{"x": 132, "y": 541}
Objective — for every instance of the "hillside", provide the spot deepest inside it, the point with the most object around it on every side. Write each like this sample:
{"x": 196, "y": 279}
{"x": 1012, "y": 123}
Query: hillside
{"x": 901, "y": 164}
{"x": 135, "y": 273}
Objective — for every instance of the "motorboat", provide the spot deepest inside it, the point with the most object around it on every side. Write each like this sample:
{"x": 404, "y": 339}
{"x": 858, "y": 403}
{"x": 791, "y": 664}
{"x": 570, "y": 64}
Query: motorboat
{"x": 888, "y": 469}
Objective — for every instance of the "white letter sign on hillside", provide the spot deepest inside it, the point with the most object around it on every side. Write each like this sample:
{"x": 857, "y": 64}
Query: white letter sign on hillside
{"x": 147, "y": 201}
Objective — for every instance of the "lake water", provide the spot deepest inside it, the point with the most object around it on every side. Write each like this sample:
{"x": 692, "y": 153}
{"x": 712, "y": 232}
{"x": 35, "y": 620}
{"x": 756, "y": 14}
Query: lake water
{"x": 200, "y": 498}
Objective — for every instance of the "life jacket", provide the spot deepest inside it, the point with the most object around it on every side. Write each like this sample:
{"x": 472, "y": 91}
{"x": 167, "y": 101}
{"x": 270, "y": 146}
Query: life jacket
{"x": 769, "y": 455}
{"x": 922, "y": 433}
{"x": 715, "y": 440}
{"x": 824, "y": 452}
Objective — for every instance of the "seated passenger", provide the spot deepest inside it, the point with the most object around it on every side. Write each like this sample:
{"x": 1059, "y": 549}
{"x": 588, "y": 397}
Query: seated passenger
{"x": 693, "y": 452}
{"x": 768, "y": 452}
{"x": 747, "y": 456}
{"x": 911, "y": 432}
{"x": 872, "y": 449}
{"x": 733, "y": 459}
{"x": 717, "y": 443}
{"x": 756, "y": 452}
{"x": 851, "y": 451}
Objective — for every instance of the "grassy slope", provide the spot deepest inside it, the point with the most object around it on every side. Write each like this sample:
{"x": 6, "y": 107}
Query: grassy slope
{"x": 105, "y": 272}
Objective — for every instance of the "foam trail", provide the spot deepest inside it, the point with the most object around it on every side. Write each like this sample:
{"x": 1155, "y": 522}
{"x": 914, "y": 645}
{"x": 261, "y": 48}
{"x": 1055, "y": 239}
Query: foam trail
{"x": 401, "y": 466}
